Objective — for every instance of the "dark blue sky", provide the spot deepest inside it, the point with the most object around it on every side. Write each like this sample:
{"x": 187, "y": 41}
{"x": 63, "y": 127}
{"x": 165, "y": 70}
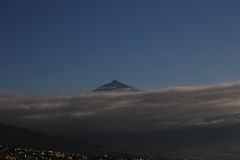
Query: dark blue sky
{"x": 51, "y": 46}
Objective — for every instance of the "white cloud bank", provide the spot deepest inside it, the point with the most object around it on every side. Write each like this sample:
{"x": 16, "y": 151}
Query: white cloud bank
{"x": 147, "y": 110}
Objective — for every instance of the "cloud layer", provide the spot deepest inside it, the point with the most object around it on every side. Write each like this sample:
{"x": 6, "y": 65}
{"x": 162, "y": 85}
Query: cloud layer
{"x": 147, "y": 110}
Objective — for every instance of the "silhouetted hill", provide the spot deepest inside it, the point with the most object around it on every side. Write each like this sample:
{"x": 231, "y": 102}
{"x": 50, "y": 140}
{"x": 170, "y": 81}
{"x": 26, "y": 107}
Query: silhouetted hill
{"x": 16, "y": 137}
{"x": 199, "y": 139}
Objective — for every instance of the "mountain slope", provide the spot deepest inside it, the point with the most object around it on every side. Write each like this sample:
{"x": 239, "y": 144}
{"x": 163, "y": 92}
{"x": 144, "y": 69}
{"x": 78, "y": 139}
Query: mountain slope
{"x": 115, "y": 86}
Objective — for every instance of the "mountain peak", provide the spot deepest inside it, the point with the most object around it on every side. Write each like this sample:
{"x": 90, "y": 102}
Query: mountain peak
{"x": 115, "y": 82}
{"x": 115, "y": 85}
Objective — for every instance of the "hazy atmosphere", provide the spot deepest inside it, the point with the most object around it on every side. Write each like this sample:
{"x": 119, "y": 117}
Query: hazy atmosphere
{"x": 124, "y": 111}
{"x": 119, "y": 80}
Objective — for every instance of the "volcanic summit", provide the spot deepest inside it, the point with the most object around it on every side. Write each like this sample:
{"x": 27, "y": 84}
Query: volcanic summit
{"x": 115, "y": 86}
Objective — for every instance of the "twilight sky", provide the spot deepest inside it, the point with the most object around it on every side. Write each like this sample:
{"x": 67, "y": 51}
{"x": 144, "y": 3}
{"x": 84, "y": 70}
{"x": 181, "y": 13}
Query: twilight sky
{"x": 53, "y": 46}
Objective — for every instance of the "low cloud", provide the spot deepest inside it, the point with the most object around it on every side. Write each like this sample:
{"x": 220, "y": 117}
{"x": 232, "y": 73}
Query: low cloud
{"x": 140, "y": 111}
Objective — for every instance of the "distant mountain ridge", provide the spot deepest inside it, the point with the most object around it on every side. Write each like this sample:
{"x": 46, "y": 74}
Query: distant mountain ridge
{"x": 115, "y": 86}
